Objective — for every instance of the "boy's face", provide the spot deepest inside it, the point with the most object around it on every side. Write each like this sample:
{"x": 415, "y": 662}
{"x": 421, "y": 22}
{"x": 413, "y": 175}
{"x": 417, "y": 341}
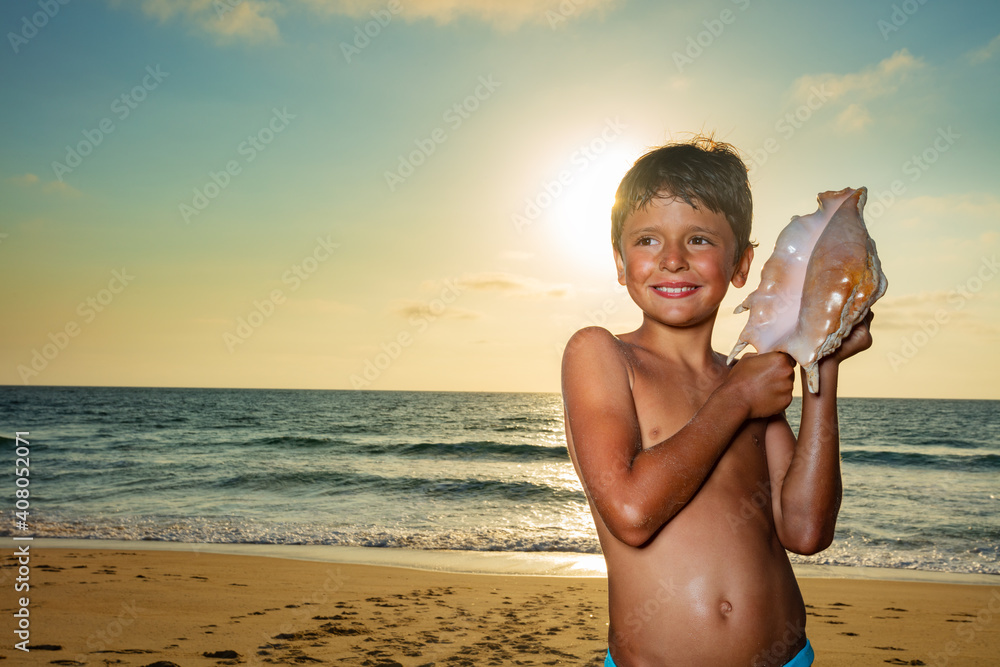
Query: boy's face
{"x": 677, "y": 261}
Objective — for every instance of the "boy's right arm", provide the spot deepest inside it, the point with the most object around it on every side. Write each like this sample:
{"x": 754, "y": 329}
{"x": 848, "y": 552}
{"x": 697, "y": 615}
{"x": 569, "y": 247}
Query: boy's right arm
{"x": 636, "y": 491}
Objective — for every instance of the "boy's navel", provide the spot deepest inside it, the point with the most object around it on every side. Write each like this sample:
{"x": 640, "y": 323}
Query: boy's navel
{"x": 726, "y": 607}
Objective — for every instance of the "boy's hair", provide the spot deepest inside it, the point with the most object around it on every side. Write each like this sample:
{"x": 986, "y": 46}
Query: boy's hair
{"x": 701, "y": 171}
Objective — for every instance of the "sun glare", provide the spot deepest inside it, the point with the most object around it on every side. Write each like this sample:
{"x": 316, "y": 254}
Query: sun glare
{"x": 580, "y": 218}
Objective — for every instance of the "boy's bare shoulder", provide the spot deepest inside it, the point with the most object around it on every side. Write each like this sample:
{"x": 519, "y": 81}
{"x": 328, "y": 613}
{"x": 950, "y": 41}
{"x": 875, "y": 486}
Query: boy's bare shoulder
{"x": 596, "y": 352}
{"x": 595, "y": 340}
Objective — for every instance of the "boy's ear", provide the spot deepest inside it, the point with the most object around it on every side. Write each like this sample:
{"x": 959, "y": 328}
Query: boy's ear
{"x": 620, "y": 265}
{"x": 742, "y": 269}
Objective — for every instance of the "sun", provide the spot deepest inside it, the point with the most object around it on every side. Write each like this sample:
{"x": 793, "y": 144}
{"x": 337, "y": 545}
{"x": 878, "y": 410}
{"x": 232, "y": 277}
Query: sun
{"x": 580, "y": 217}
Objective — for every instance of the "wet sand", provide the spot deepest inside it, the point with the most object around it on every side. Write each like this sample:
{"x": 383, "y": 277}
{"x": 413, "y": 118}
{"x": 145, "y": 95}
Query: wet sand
{"x": 136, "y": 608}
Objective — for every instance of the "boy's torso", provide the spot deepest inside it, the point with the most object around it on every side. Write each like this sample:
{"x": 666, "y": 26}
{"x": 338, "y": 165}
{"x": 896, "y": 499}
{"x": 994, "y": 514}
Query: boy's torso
{"x": 714, "y": 586}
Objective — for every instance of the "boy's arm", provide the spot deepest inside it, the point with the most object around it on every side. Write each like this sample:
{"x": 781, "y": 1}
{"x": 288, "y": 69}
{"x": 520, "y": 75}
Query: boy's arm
{"x": 636, "y": 490}
{"x": 805, "y": 472}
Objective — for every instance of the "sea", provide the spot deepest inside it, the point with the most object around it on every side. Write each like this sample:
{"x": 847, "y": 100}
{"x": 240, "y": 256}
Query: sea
{"x": 417, "y": 472}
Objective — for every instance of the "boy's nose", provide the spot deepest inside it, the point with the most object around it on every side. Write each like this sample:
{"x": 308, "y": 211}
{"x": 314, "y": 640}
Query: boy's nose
{"x": 672, "y": 259}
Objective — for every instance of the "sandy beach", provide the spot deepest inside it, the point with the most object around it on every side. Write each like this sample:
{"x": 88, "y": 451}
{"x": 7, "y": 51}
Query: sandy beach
{"x": 137, "y": 608}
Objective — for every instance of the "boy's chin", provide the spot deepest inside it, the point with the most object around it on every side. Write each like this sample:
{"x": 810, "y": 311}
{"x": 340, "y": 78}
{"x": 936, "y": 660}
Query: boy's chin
{"x": 682, "y": 322}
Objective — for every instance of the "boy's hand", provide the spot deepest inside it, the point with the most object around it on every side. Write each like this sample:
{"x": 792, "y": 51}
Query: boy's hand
{"x": 859, "y": 340}
{"x": 764, "y": 382}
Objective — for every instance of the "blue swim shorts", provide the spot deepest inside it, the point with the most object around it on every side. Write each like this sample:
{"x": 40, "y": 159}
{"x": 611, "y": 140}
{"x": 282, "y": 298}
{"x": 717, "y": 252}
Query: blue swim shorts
{"x": 803, "y": 658}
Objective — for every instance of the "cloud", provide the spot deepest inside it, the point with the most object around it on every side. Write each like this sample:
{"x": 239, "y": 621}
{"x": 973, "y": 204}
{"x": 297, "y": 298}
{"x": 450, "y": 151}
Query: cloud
{"x": 60, "y": 188}
{"x": 871, "y": 82}
{"x": 883, "y": 79}
{"x": 510, "y": 284}
{"x": 504, "y": 14}
{"x": 965, "y": 206}
{"x": 854, "y": 118}
{"x": 226, "y": 20}
{"x": 988, "y": 52}
{"x": 29, "y": 181}
{"x": 255, "y": 20}
{"x": 24, "y": 181}
{"x": 936, "y": 309}
{"x": 320, "y": 306}
{"x": 247, "y": 20}
{"x": 432, "y": 310}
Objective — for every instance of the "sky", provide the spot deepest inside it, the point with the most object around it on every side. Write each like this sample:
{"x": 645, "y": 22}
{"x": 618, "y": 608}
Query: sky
{"x": 415, "y": 194}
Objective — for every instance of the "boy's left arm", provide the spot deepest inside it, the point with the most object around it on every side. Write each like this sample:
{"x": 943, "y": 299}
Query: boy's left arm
{"x": 805, "y": 472}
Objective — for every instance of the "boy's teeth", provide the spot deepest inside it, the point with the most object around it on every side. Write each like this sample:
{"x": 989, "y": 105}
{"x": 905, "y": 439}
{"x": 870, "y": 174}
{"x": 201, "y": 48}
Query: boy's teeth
{"x": 674, "y": 290}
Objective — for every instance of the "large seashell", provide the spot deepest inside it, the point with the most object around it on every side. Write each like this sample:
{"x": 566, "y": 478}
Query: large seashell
{"x": 821, "y": 280}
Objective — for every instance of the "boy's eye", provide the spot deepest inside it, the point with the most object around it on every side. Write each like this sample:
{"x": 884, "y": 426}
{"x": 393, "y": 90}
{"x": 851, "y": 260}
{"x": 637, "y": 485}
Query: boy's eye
{"x": 645, "y": 240}
{"x": 700, "y": 240}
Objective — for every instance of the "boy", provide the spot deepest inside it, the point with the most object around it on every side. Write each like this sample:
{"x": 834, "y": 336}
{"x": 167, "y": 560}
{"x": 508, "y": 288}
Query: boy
{"x": 695, "y": 480}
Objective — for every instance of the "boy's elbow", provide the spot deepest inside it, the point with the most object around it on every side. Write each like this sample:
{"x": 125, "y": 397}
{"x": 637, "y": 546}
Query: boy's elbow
{"x": 630, "y": 526}
{"x": 809, "y": 547}
{"x": 810, "y": 530}
{"x": 810, "y": 540}
{"x": 632, "y": 536}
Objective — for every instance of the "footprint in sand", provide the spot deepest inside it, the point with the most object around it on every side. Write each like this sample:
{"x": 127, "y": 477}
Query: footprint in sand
{"x": 222, "y": 655}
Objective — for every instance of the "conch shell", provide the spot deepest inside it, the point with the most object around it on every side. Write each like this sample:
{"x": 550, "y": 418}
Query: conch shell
{"x": 821, "y": 280}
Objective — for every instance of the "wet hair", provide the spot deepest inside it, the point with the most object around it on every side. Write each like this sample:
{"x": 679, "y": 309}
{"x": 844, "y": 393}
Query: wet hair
{"x": 700, "y": 172}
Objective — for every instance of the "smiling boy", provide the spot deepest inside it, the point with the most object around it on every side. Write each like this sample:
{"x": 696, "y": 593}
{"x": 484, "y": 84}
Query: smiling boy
{"x": 696, "y": 482}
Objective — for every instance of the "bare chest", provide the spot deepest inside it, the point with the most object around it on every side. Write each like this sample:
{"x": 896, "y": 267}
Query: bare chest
{"x": 666, "y": 400}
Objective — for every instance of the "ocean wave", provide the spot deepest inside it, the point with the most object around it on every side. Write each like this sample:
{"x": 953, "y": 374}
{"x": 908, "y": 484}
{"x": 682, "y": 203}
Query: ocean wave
{"x": 850, "y": 550}
{"x": 242, "y": 531}
{"x": 468, "y": 449}
{"x": 965, "y": 462}
{"x": 337, "y": 482}
{"x": 476, "y": 450}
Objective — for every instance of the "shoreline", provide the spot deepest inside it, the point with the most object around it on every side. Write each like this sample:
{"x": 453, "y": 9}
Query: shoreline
{"x": 519, "y": 563}
{"x": 136, "y": 607}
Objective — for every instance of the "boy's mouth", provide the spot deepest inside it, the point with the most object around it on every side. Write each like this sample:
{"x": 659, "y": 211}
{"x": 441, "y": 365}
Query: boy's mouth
{"x": 675, "y": 290}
